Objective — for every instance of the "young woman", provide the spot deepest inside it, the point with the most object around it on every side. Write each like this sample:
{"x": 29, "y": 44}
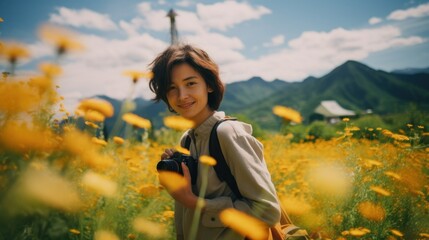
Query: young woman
{"x": 188, "y": 81}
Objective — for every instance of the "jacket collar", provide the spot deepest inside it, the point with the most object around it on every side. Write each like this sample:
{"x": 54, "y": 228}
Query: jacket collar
{"x": 205, "y": 128}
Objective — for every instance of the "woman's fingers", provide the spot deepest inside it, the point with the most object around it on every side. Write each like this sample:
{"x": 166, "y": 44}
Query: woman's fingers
{"x": 168, "y": 153}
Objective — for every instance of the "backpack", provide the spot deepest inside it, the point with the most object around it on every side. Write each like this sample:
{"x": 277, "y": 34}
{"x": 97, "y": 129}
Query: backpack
{"x": 284, "y": 229}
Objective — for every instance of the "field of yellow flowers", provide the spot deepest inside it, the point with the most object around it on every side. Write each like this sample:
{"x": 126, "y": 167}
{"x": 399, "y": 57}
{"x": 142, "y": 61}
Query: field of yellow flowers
{"x": 61, "y": 182}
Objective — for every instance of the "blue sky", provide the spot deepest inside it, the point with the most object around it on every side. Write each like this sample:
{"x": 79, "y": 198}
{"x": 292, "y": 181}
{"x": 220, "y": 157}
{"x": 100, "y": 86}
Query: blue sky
{"x": 284, "y": 39}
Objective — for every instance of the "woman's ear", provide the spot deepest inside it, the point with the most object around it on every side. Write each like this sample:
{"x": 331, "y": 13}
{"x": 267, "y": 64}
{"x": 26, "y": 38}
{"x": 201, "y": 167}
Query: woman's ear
{"x": 209, "y": 90}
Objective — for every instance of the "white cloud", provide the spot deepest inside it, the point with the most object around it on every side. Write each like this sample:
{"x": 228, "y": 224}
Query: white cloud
{"x": 275, "y": 41}
{"x": 153, "y": 19}
{"x": 374, "y": 20}
{"x": 185, "y": 3}
{"x": 224, "y": 15}
{"x": 315, "y": 53}
{"x": 83, "y": 18}
{"x": 415, "y": 12}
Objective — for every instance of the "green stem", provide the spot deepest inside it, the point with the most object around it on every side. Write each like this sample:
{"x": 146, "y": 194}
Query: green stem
{"x": 200, "y": 203}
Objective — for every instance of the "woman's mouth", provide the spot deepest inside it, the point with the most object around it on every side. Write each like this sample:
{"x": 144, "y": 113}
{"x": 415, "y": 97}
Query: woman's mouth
{"x": 186, "y": 105}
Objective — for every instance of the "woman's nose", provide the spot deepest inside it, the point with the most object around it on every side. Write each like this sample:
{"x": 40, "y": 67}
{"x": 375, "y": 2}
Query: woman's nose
{"x": 183, "y": 93}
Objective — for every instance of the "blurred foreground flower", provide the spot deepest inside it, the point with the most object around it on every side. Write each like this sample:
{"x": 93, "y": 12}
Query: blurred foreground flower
{"x": 50, "y": 70}
{"x": 63, "y": 39}
{"x": 288, "y": 114}
{"x": 136, "y": 121}
{"x": 136, "y": 75}
{"x": 99, "y": 184}
{"x": 81, "y": 145}
{"x": 18, "y": 97}
{"x": 147, "y": 227}
{"x": 99, "y": 105}
{"x": 330, "y": 180}
{"x": 244, "y": 224}
{"x": 13, "y": 51}
{"x": 18, "y": 137}
{"x": 178, "y": 123}
{"x": 207, "y": 160}
{"x": 43, "y": 186}
{"x": 172, "y": 181}
{"x": 105, "y": 235}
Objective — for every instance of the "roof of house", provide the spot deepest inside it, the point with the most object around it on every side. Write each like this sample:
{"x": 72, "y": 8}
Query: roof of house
{"x": 331, "y": 108}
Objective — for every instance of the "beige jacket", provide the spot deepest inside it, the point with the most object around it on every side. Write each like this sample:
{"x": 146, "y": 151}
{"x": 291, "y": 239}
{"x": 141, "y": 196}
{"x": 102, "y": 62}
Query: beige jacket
{"x": 244, "y": 155}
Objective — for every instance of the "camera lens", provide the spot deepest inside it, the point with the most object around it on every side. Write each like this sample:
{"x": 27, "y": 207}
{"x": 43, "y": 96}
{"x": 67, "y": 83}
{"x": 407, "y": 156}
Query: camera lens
{"x": 168, "y": 165}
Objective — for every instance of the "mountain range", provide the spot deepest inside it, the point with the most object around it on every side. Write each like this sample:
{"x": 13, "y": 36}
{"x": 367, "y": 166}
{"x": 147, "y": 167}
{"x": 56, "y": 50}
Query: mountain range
{"x": 353, "y": 85}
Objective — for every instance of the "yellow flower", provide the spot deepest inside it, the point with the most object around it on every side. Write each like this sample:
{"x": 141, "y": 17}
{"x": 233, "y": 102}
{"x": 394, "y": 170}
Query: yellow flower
{"x": 13, "y": 51}
{"x": 207, "y": 160}
{"x": 358, "y": 232}
{"x": 380, "y": 191}
{"x": 136, "y": 75}
{"x": 91, "y": 124}
{"x": 148, "y": 190}
{"x": 18, "y": 97}
{"x": 396, "y": 233}
{"x": 136, "y": 120}
{"x": 118, "y": 140}
{"x": 182, "y": 150}
{"x": 50, "y": 69}
{"x": 47, "y": 187}
{"x": 295, "y": 206}
{"x": 1, "y": 19}
{"x": 172, "y": 181}
{"x": 105, "y": 235}
{"x": 18, "y": 137}
{"x": 81, "y": 145}
{"x": 152, "y": 229}
{"x": 371, "y": 211}
{"x": 244, "y": 224}
{"x": 393, "y": 175}
{"x": 178, "y": 123}
{"x": 102, "y": 106}
{"x": 99, "y": 184}
{"x": 74, "y": 231}
{"x": 168, "y": 214}
{"x": 425, "y": 235}
{"x": 61, "y": 38}
{"x": 346, "y": 119}
{"x": 287, "y": 114}
{"x": 94, "y": 116}
{"x": 98, "y": 141}
{"x": 400, "y": 137}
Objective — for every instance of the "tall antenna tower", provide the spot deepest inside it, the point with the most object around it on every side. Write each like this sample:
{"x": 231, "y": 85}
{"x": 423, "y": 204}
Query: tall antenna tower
{"x": 173, "y": 30}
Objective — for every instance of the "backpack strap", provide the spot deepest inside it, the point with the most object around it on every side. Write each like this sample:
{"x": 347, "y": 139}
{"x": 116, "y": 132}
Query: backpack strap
{"x": 222, "y": 169}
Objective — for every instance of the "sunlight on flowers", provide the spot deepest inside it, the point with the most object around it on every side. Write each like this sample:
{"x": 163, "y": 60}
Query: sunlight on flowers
{"x": 294, "y": 205}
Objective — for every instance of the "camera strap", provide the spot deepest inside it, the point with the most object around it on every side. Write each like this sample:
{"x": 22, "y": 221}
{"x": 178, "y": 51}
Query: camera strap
{"x": 221, "y": 168}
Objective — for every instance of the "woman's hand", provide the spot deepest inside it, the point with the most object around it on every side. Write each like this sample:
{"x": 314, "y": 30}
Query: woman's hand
{"x": 168, "y": 153}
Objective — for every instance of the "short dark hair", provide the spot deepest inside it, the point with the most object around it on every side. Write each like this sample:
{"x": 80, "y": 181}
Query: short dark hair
{"x": 198, "y": 59}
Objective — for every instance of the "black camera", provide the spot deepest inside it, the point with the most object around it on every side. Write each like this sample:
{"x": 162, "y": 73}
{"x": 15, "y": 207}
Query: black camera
{"x": 173, "y": 164}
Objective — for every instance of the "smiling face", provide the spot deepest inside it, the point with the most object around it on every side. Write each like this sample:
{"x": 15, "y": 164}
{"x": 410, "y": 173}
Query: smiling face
{"x": 188, "y": 94}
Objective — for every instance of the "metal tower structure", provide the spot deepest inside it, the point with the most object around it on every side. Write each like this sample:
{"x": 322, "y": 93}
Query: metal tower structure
{"x": 173, "y": 30}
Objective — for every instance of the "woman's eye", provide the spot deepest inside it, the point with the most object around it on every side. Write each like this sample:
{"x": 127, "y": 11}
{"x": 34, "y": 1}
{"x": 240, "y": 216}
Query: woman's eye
{"x": 191, "y": 83}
